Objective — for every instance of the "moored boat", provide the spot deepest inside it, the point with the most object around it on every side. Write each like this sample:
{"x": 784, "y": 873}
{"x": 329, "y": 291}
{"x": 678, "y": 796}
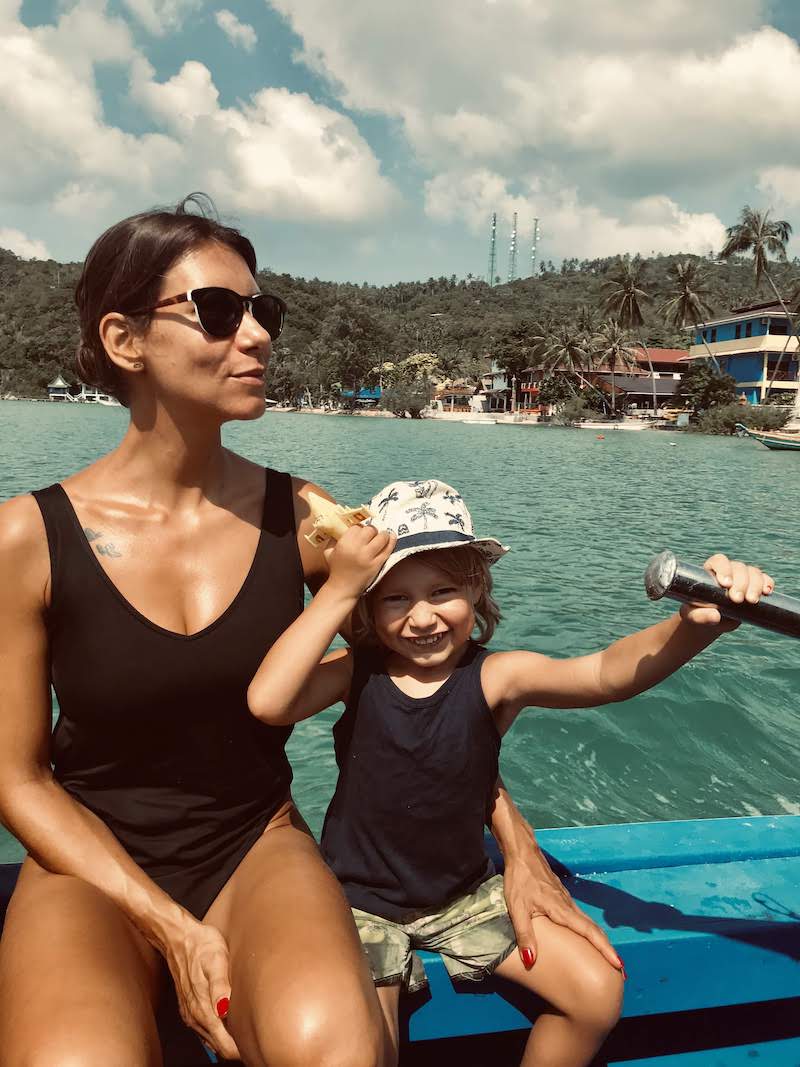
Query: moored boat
{"x": 774, "y": 439}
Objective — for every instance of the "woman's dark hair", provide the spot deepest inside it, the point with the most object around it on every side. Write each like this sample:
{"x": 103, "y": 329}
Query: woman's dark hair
{"x": 125, "y": 268}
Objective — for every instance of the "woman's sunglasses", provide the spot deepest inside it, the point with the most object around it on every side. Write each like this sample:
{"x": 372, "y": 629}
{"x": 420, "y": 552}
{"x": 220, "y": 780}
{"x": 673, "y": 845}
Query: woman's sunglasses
{"x": 220, "y": 311}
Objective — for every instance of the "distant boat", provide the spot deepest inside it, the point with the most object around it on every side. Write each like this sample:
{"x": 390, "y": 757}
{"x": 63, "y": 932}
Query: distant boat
{"x": 774, "y": 439}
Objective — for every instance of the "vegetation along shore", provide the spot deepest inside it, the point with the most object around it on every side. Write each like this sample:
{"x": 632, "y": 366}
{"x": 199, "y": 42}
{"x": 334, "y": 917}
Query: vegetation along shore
{"x": 555, "y": 344}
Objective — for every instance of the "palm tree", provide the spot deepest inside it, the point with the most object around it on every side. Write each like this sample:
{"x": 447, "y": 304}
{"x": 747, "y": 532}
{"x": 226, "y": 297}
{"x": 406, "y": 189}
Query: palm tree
{"x": 565, "y": 350}
{"x": 624, "y": 300}
{"x": 687, "y": 299}
{"x": 613, "y": 348}
{"x": 756, "y": 232}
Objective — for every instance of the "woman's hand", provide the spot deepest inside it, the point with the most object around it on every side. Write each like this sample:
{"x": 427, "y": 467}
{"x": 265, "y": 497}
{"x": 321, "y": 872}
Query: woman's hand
{"x": 531, "y": 889}
{"x": 357, "y": 557}
{"x": 199, "y": 965}
{"x": 742, "y": 582}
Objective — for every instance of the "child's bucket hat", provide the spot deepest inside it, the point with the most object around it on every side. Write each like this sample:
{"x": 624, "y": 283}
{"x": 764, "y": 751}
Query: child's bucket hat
{"x": 426, "y": 515}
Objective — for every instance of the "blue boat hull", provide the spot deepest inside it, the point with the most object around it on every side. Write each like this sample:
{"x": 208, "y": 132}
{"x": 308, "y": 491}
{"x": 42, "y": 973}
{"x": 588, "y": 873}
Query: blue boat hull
{"x": 706, "y": 914}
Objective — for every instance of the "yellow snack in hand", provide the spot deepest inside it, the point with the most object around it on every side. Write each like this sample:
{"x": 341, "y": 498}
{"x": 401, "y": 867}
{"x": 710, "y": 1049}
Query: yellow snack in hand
{"x": 332, "y": 520}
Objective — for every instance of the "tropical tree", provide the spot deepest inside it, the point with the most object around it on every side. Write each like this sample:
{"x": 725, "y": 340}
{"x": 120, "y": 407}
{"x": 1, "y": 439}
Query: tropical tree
{"x": 700, "y": 388}
{"x": 687, "y": 300}
{"x": 756, "y": 232}
{"x": 565, "y": 350}
{"x": 349, "y": 337}
{"x": 624, "y": 298}
{"x": 516, "y": 349}
{"x": 613, "y": 348}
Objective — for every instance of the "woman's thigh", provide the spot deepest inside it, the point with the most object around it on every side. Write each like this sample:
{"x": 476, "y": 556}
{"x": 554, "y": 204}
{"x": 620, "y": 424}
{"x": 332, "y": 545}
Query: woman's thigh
{"x": 78, "y": 983}
{"x": 301, "y": 991}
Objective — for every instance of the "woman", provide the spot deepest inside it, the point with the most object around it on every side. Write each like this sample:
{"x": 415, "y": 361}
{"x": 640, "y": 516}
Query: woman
{"x": 148, "y": 586}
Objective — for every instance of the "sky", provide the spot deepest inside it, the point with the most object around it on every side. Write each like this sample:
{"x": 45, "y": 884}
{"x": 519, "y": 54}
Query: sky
{"x": 370, "y": 140}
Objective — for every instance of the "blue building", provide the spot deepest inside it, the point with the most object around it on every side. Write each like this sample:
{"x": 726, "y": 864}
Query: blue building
{"x": 366, "y": 397}
{"x": 747, "y": 343}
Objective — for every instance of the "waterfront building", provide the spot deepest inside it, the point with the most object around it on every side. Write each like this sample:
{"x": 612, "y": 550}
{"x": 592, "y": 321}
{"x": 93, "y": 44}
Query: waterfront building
{"x": 634, "y": 386}
{"x": 368, "y": 397}
{"x": 495, "y": 389}
{"x": 58, "y": 390}
{"x": 747, "y": 343}
{"x": 457, "y": 396}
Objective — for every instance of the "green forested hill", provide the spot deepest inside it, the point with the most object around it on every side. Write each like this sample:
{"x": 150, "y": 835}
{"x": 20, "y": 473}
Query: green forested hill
{"x": 336, "y": 332}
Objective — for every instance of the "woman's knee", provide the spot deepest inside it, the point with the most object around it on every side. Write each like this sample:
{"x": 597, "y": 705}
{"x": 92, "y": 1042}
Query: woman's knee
{"x": 318, "y": 1036}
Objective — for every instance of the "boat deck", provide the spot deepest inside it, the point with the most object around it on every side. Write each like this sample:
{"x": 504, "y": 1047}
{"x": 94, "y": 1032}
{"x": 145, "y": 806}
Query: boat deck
{"x": 705, "y": 913}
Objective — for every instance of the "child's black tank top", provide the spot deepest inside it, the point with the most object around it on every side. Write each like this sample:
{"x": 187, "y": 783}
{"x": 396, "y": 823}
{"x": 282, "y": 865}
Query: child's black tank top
{"x": 404, "y": 831}
{"x": 154, "y": 735}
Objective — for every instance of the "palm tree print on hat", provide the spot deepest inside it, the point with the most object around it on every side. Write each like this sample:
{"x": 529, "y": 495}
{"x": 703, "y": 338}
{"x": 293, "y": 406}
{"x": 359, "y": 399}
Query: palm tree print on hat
{"x": 384, "y": 503}
{"x": 423, "y": 512}
{"x": 455, "y": 520}
{"x": 452, "y": 497}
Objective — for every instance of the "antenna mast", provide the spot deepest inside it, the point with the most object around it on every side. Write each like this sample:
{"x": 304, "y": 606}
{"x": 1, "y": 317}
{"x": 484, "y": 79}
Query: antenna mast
{"x": 512, "y": 252}
{"x": 533, "y": 246}
{"x": 492, "y": 250}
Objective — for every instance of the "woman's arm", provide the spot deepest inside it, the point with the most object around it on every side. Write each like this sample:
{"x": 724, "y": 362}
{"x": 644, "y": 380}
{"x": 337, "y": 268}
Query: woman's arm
{"x": 514, "y": 680}
{"x": 531, "y": 888}
{"x": 57, "y": 831}
{"x": 293, "y": 681}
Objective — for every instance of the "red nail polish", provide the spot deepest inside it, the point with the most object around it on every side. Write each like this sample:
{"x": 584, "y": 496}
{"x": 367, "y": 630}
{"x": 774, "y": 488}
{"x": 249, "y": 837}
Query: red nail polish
{"x": 622, "y": 969}
{"x": 222, "y": 1006}
{"x": 528, "y": 958}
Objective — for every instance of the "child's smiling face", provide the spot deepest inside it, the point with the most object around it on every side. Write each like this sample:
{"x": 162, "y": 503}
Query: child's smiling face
{"x": 422, "y": 614}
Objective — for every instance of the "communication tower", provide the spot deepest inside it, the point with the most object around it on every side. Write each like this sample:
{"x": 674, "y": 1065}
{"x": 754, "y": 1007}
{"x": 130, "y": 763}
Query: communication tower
{"x": 492, "y": 250}
{"x": 512, "y": 252}
{"x": 534, "y": 243}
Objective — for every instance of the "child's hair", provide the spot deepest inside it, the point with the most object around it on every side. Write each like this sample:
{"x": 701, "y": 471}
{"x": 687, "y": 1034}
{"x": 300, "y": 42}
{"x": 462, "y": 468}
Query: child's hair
{"x": 464, "y": 565}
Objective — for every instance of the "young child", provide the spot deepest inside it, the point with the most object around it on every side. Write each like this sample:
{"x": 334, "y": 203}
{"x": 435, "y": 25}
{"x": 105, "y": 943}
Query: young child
{"x": 418, "y": 747}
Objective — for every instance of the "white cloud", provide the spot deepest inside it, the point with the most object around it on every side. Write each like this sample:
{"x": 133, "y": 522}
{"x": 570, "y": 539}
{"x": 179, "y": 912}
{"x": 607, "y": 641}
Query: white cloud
{"x": 160, "y": 17}
{"x": 515, "y": 75}
{"x": 278, "y": 154}
{"x": 628, "y": 113}
{"x": 781, "y": 185}
{"x": 21, "y": 245}
{"x": 650, "y": 224}
{"x": 240, "y": 34}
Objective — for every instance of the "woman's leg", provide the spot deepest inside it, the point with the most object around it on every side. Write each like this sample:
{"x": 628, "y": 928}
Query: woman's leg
{"x": 583, "y": 992}
{"x": 78, "y": 983}
{"x": 301, "y": 991}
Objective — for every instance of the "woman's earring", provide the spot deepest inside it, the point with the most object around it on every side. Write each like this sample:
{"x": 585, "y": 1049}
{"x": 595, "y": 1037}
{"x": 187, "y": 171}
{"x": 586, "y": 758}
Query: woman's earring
{"x": 137, "y": 365}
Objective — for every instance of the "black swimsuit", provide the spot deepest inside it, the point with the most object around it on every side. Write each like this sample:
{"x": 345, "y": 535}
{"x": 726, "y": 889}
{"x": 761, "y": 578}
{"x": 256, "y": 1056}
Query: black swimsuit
{"x": 154, "y": 735}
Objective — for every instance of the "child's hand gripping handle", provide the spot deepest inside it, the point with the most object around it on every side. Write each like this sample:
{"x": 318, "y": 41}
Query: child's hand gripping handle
{"x": 668, "y": 576}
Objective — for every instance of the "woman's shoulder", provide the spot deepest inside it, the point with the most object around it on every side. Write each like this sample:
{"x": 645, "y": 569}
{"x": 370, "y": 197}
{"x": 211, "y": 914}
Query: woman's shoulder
{"x": 21, "y": 523}
{"x": 24, "y": 554}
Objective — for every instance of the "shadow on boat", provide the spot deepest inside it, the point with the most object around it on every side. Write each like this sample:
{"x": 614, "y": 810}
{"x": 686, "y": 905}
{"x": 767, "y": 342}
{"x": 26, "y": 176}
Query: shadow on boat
{"x": 620, "y": 908}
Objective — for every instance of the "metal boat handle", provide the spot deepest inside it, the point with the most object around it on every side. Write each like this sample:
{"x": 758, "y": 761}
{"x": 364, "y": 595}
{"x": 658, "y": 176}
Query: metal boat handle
{"x": 668, "y": 576}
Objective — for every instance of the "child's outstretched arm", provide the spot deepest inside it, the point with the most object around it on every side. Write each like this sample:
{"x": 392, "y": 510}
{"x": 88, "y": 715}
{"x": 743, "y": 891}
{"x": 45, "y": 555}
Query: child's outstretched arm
{"x": 515, "y": 680}
{"x": 294, "y": 682}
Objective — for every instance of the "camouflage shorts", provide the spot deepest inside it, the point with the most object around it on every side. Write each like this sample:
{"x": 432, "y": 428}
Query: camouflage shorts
{"x": 473, "y": 935}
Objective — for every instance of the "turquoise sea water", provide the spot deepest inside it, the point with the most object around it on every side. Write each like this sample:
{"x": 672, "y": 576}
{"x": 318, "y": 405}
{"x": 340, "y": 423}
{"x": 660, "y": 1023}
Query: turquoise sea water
{"x": 583, "y": 518}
